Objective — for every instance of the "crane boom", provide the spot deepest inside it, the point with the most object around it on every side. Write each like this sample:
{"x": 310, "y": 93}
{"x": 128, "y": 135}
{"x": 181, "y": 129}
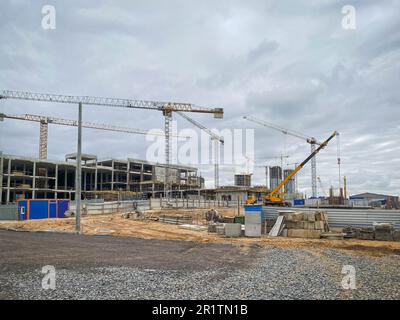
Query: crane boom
{"x": 74, "y": 123}
{"x": 271, "y": 198}
{"x": 213, "y": 135}
{"x": 110, "y": 102}
{"x": 283, "y": 130}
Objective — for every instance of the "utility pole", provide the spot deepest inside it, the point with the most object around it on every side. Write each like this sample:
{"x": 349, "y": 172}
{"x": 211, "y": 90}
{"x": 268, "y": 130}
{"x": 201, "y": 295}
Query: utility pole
{"x": 78, "y": 173}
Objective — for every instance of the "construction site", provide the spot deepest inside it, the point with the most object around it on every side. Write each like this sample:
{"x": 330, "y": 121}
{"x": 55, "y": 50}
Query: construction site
{"x": 280, "y": 183}
{"x": 168, "y": 202}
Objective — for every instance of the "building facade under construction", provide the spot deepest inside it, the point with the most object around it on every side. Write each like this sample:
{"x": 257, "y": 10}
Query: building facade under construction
{"x": 30, "y": 178}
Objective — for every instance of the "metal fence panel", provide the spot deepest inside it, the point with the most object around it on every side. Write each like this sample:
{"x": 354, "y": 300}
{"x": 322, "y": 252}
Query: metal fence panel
{"x": 112, "y": 207}
{"x": 345, "y": 217}
{"x": 9, "y": 212}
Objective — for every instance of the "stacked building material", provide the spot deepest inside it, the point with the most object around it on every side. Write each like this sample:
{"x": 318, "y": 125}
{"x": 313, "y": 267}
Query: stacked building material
{"x": 384, "y": 231}
{"x": 352, "y": 232}
{"x": 180, "y": 219}
{"x": 305, "y": 224}
{"x": 380, "y": 231}
{"x": 366, "y": 234}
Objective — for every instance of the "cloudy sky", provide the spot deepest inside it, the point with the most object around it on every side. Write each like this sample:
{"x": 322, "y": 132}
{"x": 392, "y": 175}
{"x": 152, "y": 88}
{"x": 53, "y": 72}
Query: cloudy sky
{"x": 287, "y": 62}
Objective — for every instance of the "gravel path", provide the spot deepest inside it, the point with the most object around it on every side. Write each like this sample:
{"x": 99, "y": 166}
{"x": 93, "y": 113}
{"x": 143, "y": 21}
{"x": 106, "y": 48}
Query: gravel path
{"x": 268, "y": 273}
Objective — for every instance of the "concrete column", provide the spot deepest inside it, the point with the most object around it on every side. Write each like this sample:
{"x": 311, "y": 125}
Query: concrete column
{"x": 1, "y": 177}
{"x": 56, "y": 183}
{"x": 78, "y": 184}
{"x": 8, "y": 181}
{"x": 65, "y": 178}
{"x": 127, "y": 176}
{"x": 34, "y": 181}
{"x": 84, "y": 180}
{"x": 112, "y": 175}
{"x": 95, "y": 179}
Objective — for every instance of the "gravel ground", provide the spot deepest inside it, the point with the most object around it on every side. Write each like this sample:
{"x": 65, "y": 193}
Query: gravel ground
{"x": 268, "y": 273}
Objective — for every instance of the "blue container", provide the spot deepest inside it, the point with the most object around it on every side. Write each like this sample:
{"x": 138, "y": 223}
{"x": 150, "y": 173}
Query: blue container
{"x": 42, "y": 209}
{"x": 38, "y": 209}
{"x": 253, "y": 208}
{"x": 298, "y": 202}
{"x": 62, "y": 207}
{"x": 22, "y": 210}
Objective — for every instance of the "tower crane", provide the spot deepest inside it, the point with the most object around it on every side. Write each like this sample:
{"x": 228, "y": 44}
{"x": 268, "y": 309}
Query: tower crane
{"x": 218, "y": 141}
{"x": 45, "y": 121}
{"x": 311, "y": 140}
{"x": 167, "y": 108}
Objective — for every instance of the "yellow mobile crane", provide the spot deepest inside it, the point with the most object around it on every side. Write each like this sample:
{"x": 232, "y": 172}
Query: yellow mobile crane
{"x": 276, "y": 198}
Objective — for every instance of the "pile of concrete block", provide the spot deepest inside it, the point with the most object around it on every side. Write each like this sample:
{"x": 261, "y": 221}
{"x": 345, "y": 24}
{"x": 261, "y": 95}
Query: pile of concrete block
{"x": 366, "y": 233}
{"x": 384, "y": 231}
{"x": 380, "y": 231}
{"x": 305, "y": 224}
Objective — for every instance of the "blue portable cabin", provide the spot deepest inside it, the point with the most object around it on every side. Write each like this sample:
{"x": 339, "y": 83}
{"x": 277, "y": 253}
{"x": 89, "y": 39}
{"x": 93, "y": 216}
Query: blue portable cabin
{"x": 32, "y": 209}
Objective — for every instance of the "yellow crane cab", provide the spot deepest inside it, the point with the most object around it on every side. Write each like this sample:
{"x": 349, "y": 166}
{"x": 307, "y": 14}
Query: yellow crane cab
{"x": 251, "y": 200}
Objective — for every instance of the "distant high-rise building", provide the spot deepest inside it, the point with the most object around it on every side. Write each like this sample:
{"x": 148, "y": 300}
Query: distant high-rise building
{"x": 290, "y": 185}
{"x": 243, "y": 180}
{"x": 275, "y": 176}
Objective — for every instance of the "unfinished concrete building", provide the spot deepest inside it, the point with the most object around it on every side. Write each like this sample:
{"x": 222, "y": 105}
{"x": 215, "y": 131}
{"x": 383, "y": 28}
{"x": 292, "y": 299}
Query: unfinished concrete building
{"x": 242, "y": 180}
{"x": 30, "y": 178}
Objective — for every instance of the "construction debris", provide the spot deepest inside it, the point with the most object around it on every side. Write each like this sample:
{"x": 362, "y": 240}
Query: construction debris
{"x": 135, "y": 214}
{"x": 277, "y": 228}
{"x": 212, "y": 215}
{"x": 267, "y": 225}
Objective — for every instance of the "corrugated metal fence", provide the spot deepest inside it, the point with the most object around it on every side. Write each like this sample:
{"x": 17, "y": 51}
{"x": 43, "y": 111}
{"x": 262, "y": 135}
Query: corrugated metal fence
{"x": 193, "y": 203}
{"x": 345, "y": 217}
{"x": 112, "y": 207}
{"x": 9, "y": 212}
